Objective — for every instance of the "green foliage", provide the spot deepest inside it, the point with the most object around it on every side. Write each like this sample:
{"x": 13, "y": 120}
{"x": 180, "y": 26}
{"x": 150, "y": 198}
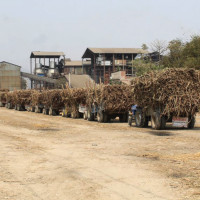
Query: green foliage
{"x": 185, "y": 55}
{"x": 143, "y": 67}
{"x": 191, "y": 52}
{"x": 144, "y": 47}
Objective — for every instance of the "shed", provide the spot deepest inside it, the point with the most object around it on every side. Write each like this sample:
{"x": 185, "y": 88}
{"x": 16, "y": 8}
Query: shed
{"x": 10, "y": 77}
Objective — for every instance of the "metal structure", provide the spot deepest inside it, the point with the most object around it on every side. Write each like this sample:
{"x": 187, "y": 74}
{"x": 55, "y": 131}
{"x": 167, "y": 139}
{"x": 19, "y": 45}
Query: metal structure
{"x": 76, "y": 67}
{"x": 105, "y": 61}
{"x": 42, "y": 82}
{"x": 10, "y": 77}
{"x": 46, "y": 64}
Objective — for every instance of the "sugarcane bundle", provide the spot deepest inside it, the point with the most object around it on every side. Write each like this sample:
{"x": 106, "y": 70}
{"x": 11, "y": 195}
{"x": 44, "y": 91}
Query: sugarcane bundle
{"x": 175, "y": 91}
{"x": 3, "y": 94}
{"x": 9, "y": 97}
{"x": 22, "y": 97}
{"x": 36, "y": 98}
{"x": 92, "y": 91}
{"x": 72, "y": 97}
{"x": 52, "y": 98}
{"x": 114, "y": 98}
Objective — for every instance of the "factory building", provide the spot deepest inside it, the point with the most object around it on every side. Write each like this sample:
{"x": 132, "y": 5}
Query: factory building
{"x": 76, "y": 67}
{"x": 10, "y": 77}
{"x": 105, "y": 61}
{"x": 45, "y": 67}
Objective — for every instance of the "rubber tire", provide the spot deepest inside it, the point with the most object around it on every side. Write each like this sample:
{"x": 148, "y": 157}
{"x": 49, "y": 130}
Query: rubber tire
{"x": 100, "y": 117}
{"x": 130, "y": 120}
{"x": 75, "y": 115}
{"x": 63, "y": 113}
{"x": 158, "y": 122}
{"x": 90, "y": 116}
{"x": 140, "y": 119}
{"x": 52, "y": 112}
{"x": 191, "y": 122}
{"x": 36, "y": 109}
{"x": 85, "y": 115}
{"x": 45, "y": 111}
{"x": 32, "y": 109}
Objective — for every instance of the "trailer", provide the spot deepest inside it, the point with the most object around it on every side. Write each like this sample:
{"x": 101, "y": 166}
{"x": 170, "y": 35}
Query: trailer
{"x": 142, "y": 117}
{"x": 74, "y": 111}
{"x": 102, "y": 115}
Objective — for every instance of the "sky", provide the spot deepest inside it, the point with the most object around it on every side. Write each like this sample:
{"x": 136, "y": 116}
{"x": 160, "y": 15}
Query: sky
{"x": 73, "y": 25}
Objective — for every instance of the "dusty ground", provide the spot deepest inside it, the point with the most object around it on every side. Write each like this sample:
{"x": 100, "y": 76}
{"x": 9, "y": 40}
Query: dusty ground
{"x": 55, "y": 158}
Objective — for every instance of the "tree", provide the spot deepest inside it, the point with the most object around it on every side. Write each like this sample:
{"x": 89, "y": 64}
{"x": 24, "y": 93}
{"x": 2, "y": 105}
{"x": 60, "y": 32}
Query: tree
{"x": 191, "y": 53}
{"x": 160, "y": 47}
{"x": 175, "y": 56}
{"x": 144, "y": 47}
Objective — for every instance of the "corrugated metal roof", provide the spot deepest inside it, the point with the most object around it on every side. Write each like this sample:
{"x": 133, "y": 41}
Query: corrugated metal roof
{"x": 10, "y": 63}
{"x": 46, "y": 54}
{"x": 118, "y": 50}
{"x": 77, "y": 63}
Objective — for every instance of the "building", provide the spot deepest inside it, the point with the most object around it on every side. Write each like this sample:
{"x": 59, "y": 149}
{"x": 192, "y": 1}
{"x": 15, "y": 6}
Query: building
{"x": 47, "y": 65}
{"x": 105, "y": 61}
{"x": 76, "y": 67}
{"x": 10, "y": 77}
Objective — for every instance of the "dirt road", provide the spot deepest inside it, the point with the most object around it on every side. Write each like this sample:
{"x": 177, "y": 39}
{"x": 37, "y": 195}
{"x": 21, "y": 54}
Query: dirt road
{"x": 55, "y": 158}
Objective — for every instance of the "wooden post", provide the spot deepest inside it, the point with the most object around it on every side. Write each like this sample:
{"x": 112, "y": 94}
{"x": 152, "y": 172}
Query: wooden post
{"x": 132, "y": 64}
{"x": 104, "y": 68}
{"x": 35, "y": 66}
{"x": 31, "y": 72}
{"x": 94, "y": 68}
{"x": 123, "y": 61}
{"x": 82, "y": 66}
{"x": 113, "y": 63}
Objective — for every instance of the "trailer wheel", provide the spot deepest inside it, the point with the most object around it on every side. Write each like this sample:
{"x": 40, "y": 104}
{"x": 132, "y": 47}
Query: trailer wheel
{"x": 45, "y": 111}
{"x": 90, "y": 116}
{"x": 191, "y": 122}
{"x": 75, "y": 114}
{"x": 106, "y": 117}
{"x": 52, "y": 112}
{"x": 85, "y": 115}
{"x": 140, "y": 119}
{"x": 100, "y": 116}
{"x": 158, "y": 122}
{"x": 63, "y": 113}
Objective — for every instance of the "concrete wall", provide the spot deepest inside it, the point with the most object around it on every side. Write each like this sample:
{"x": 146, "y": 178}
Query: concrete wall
{"x": 10, "y": 77}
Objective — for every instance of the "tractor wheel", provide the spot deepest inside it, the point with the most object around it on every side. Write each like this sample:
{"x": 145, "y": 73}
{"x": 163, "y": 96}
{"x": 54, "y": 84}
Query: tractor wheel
{"x": 140, "y": 119}
{"x": 130, "y": 120}
{"x": 158, "y": 122}
{"x": 191, "y": 122}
